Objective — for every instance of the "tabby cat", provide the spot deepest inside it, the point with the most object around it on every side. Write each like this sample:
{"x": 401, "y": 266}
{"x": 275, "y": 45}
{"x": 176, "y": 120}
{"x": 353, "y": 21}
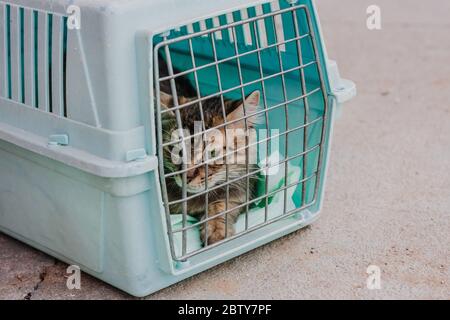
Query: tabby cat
{"x": 220, "y": 227}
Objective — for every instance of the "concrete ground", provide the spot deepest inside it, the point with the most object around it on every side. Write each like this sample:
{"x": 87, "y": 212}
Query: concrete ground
{"x": 388, "y": 194}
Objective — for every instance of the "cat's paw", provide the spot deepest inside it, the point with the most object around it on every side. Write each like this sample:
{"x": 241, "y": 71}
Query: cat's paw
{"x": 216, "y": 231}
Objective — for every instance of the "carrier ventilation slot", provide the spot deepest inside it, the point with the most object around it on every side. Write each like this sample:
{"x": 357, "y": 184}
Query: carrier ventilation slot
{"x": 33, "y": 58}
{"x": 269, "y": 50}
{"x": 247, "y": 32}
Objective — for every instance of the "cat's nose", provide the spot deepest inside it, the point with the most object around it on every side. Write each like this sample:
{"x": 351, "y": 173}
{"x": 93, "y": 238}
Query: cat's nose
{"x": 190, "y": 175}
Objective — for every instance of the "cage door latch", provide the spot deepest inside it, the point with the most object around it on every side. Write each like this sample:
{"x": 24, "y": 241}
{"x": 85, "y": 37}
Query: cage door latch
{"x": 58, "y": 140}
{"x": 136, "y": 155}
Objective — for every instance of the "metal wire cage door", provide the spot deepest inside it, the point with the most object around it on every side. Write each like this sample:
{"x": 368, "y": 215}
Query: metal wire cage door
{"x": 269, "y": 51}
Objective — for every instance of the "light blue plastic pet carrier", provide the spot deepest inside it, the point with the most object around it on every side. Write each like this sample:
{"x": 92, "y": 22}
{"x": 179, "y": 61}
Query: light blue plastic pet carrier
{"x": 82, "y": 176}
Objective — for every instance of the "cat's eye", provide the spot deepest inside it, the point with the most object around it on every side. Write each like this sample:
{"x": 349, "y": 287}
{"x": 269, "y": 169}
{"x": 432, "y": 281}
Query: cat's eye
{"x": 213, "y": 153}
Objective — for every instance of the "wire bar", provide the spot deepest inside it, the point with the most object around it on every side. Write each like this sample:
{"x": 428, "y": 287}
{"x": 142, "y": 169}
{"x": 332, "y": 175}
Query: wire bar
{"x": 269, "y": 194}
{"x": 251, "y": 229}
{"x": 224, "y": 115}
{"x": 180, "y": 130}
{"x": 266, "y": 115}
{"x": 240, "y": 55}
{"x": 286, "y": 110}
{"x": 202, "y": 117}
{"x": 250, "y": 115}
{"x": 242, "y": 177}
{"x": 214, "y": 95}
{"x": 267, "y": 139}
{"x": 241, "y": 81}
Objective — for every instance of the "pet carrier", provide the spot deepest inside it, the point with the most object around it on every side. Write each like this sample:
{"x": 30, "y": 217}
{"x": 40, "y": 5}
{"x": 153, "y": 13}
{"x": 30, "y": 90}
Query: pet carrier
{"x": 83, "y": 172}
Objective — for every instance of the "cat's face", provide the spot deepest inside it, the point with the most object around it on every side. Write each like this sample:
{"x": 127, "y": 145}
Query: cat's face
{"x": 224, "y": 146}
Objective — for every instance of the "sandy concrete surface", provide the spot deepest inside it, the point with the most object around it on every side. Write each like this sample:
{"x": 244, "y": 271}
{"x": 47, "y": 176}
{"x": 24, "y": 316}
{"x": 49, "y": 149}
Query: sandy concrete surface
{"x": 388, "y": 194}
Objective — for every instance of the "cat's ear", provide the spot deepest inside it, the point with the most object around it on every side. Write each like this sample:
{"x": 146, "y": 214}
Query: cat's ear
{"x": 166, "y": 101}
{"x": 251, "y": 106}
{"x": 253, "y": 99}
